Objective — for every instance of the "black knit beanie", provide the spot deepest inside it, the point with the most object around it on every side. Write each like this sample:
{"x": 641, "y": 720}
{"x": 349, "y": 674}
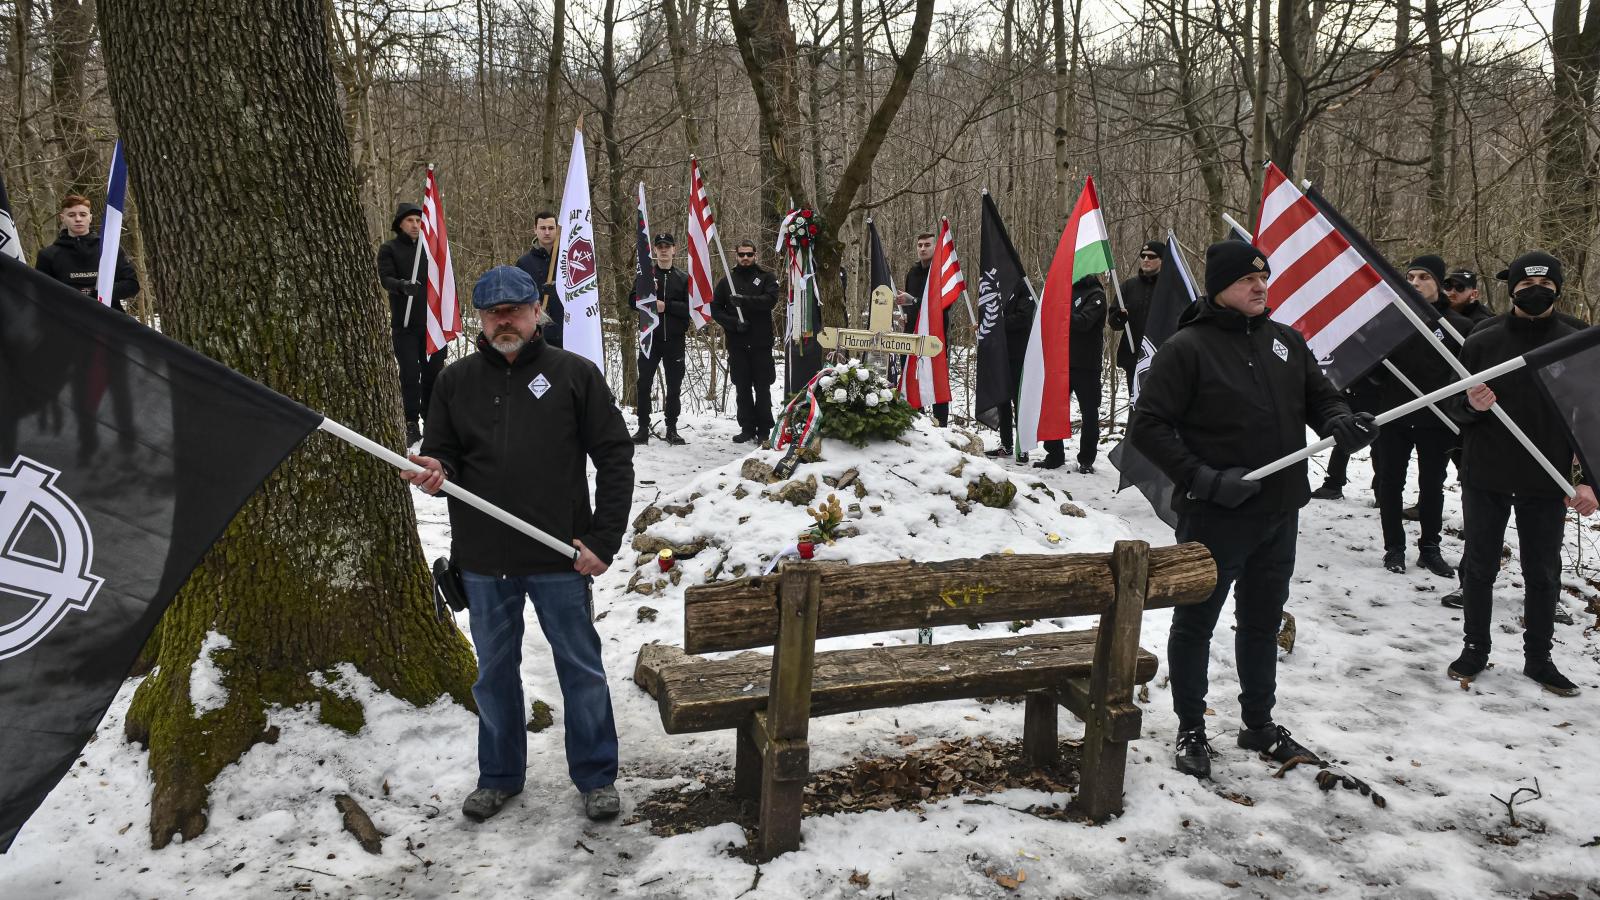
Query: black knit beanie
{"x": 1228, "y": 261}
{"x": 1432, "y": 263}
{"x": 1534, "y": 262}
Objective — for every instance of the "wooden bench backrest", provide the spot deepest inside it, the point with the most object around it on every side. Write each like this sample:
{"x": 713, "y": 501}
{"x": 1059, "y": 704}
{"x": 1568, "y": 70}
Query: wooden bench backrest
{"x": 901, "y": 594}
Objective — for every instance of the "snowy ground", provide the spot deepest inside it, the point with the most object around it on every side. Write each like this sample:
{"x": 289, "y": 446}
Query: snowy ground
{"x": 1365, "y": 683}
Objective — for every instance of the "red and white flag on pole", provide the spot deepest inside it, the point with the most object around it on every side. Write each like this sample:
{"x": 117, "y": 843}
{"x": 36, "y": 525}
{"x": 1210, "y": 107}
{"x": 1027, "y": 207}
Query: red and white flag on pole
{"x": 702, "y": 231}
{"x": 926, "y": 380}
{"x": 444, "y": 315}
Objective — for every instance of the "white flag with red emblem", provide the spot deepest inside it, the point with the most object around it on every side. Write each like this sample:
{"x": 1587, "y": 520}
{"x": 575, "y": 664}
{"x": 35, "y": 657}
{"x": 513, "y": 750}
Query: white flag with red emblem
{"x": 926, "y": 380}
{"x": 577, "y": 275}
{"x": 702, "y": 231}
{"x": 444, "y": 314}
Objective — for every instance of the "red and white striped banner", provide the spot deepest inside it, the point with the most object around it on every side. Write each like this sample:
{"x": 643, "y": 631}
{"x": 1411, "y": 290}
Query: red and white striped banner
{"x": 444, "y": 314}
{"x": 702, "y": 231}
{"x": 926, "y": 379}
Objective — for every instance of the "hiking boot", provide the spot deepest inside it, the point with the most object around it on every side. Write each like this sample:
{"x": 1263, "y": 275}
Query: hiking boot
{"x": 1433, "y": 561}
{"x": 999, "y": 452}
{"x": 744, "y": 437}
{"x": 673, "y": 437}
{"x": 1050, "y": 462}
{"x": 485, "y": 802}
{"x": 1410, "y": 513}
{"x": 1395, "y": 561}
{"x": 1564, "y": 616}
{"x": 1474, "y": 658}
{"x": 1274, "y": 741}
{"x": 1194, "y": 753}
{"x": 1328, "y": 492}
{"x": 602, "y": 803}
{"x": 1544, "y": 671}
{"x": 642, "y": 434}
{"x": 1022, "y": 457}
{"x": 1085, "y": 468}
{"x": 1454, "y": 600}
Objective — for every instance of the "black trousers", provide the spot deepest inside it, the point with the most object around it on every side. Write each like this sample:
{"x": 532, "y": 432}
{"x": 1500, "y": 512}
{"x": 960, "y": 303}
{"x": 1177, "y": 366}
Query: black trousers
{"x": 1086, "y": 389}
{"x": 1254, "y": 557}
{"x": 417, "y": 370}
{"x": 666, "y": 354}
{"x": 1432, "y": 445}
{"x": 752, "y": 373}
{"x": 1008, "y": 409}
{"x": 1540, "y": 521}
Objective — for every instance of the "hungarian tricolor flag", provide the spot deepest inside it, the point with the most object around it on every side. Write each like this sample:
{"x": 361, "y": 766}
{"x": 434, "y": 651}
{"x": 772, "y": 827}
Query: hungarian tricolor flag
{"x": 926, "y": 380}
{"x": 702, "y": 231}
{"x": 1044, "y": 411}
{"x": 444, "y": 313}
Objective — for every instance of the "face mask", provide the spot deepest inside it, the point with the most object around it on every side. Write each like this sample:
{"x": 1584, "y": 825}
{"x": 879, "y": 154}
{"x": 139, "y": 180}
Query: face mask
{"x": 1534, "y": 300}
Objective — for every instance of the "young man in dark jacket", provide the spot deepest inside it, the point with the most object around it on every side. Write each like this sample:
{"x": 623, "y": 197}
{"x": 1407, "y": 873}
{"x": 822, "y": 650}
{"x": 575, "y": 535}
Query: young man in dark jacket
{"x": 1461, "y": 289}
{"x": 516, "y": 423}
{"x": 1084, "y": 361}
{"x": 539, "y": 262}
{"x": 408, "y": 315}
{"x": 1499, "y": 478}
{"x": 742, "y": 304}
{"x": 1233, "y": 390}
{"x": 1424, "y": 432}
{"x": 74, "y": 260}
{"x": 911, "y": 303}
{"x": 667, "y": 343}
{"x": 1136, "y": 293}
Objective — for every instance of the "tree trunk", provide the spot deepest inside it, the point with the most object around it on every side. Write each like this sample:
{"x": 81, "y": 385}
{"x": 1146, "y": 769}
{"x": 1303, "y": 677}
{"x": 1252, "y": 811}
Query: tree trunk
{"x": 1058, "y": 21}
{"x": 1439, "y": 206}
{"x": 680, "y": 74}
{"x": 1569, "y": 199}
{"x": 71, "y": 30}
{"x": 1200, "y": 132}
{"x": 547, "y": 124}
{"x": 622, "y": 243}
{"x": 230, "y": 105}
{"x": 1258, "y": 110}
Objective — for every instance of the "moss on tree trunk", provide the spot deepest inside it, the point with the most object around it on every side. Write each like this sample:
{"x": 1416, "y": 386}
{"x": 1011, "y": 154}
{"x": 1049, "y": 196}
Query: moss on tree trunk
{"x": 261, "y": 259}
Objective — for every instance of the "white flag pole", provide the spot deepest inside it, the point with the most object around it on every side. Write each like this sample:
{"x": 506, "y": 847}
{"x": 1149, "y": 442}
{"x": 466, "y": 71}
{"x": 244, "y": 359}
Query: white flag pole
{"x": 1416, "y": 391}
{"x": 416, "y": 261}
{"x": 362, "y": 442}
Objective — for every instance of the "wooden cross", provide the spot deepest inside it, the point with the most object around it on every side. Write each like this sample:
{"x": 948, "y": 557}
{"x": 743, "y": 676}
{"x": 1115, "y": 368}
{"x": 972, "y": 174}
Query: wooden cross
{"x": 878, "y": 336}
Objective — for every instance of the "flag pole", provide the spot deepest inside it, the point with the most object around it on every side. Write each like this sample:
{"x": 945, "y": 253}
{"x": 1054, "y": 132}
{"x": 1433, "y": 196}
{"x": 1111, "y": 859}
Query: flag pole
{"x": 1416, "y": 391}
{"x": 416, "y": 261}
{"x": 362, "y": 442}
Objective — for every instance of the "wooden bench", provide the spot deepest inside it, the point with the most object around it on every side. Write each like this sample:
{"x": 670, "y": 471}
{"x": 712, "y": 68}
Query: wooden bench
{"x": 771, "y": 701}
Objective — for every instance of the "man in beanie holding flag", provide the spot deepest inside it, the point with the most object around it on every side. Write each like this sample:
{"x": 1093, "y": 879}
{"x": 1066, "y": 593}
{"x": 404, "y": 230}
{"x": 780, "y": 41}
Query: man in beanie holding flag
{"x": 1137, "y": 291}
{"x": 1498, "y": 477}
{"x": 1232, "y": 390}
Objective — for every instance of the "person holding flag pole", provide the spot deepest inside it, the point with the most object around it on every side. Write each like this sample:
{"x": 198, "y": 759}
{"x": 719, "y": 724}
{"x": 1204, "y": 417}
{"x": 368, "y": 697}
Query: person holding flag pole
{"x": 399, "y": 265}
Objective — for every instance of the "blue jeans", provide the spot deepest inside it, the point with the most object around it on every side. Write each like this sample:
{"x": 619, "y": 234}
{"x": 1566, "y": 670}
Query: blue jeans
{"x": 561, "y": 601}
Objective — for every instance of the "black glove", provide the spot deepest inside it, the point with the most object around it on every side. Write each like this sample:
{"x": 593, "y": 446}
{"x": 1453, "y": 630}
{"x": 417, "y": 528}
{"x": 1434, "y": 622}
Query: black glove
{"x": 414, "y": 289}
{"x": 1119, "y": 318}
{"x": 1226, "y": 488}
{"x": 741, "y": 327}
{"x": 1352, "y": 431}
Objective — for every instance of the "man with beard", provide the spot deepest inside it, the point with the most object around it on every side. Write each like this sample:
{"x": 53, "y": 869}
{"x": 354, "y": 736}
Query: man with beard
{"x": 1136, "y": 292}
{"x": 408, "y": 318}
{"x": 517, "y": 422}
{"x": 539, "y": 263}
{"x": 742, "y": 304}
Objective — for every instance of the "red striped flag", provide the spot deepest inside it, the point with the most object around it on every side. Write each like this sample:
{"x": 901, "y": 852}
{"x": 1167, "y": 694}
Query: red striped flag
{"x": 1328, "y": 283}
{"x": 926, "y": 381}
{"x": 702, "y": 231}
{"x": 444, "y": 315}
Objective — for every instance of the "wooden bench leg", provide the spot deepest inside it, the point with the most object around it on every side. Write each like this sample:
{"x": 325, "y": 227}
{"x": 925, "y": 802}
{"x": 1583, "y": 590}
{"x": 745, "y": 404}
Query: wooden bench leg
{"x": 780, "y": 732}
{"x": 1039, "y": 746}
{"x": 784, "y": 771}
{"x": 746, "y": 763}
{"x": 1105, "y": 764}
{"x": 1105, "y": 755}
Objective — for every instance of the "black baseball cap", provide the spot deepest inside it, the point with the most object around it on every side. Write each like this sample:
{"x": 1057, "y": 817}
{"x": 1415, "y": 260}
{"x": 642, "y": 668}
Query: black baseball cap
{"x": 666, "y": 237}
{"x": 1462, "y": 278}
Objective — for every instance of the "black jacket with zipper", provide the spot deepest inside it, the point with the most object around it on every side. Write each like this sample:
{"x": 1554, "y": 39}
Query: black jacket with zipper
{"x": 537, "y": 262}
{"x": 672, "y": 287}
{"x": 75, "y": 262}
{"x": 1491, "y": 459}
{"x": 1420, "y": 361}
{"x": 1228, "y": 390}
{"x": 519, "y": 435}
{"x": 1087, "y": 337}
{"x": 753, "y": 291}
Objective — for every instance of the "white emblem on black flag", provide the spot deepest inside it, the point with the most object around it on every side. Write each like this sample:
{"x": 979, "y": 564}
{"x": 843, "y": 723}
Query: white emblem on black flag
{"x": 46, "y": 550}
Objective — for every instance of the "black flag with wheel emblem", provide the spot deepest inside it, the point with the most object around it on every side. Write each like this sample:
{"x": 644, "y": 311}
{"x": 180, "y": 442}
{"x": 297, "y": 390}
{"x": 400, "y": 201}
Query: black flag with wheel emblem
{"x": 1002, "y": 286}
{"x": 123, "y": 456}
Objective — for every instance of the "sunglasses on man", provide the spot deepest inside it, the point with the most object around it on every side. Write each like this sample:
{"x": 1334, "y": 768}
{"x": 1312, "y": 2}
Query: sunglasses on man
{"x": 1148, "y": 256}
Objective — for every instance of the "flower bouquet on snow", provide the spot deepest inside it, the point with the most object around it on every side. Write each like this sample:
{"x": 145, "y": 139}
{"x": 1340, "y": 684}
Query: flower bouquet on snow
{"x": 849, "y": 402}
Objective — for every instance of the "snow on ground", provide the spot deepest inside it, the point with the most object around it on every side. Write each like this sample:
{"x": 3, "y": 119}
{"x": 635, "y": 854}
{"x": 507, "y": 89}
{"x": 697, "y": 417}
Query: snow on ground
{"x": 1365, "y": 684}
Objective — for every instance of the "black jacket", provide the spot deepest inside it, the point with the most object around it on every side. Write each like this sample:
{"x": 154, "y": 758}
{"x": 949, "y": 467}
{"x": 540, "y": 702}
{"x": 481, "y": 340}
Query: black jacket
{"x": 395, "y": 259}
{"x": 1136, "y": 293}
{"x": 1475, "y": 313}
{"x": 757, "y": 291}
{"x": 673, "y": 287}
{"x": 1491, "y": 459}
{"x": 537, "y": 262}
{"x": 1225, "y": 391}
{"x": 1419, "y": 360}
{"x": 522, "y": 444}
{"x": 75, "y": 261}
{"x": 1088, "y": 335}
{"x": 916, "y": 281}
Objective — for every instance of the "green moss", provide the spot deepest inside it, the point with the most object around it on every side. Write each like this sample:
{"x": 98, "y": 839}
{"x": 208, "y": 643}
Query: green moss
{"x": 342, "y": 712}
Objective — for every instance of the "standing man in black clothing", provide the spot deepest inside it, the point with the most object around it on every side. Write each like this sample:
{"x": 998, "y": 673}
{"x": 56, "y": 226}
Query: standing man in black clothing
{"x": 667, "y": 348}
{"x": 1420, "y": 361}
{"x": 74, "y": 260}
{"x": 1461, "y": 289}
{"x": 539, "y": 263}
{"x": 1018, "y": 312}
{"x": 1498, "y": 477}
{"x": 1136, "y": 292}
{"x": 742, "y": 304}
{"x": 1085, "y": 358}
{"x": 517, "y": 422}
{"x": 1232, "y": 390}
{"x": 408, "y": 317}
{"x": 910, "y": 301}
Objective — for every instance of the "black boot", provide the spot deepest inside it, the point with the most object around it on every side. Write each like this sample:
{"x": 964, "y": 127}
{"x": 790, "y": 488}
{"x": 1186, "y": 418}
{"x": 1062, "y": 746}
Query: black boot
{"x": 1543, "y": 670}
{"x": 642, "y": 434}
{"x": 1453, "y": 600}
{"x": 1194, "y": 753}
{"x": 1328, "y": 491}
{"x": 1085, "y": 468}
{"x": 1051, "y": 461}
{"x": 1274, "y": 741}
{"x": 1430, "y": 558}
{"x": 1395, "y": 561}
{"x": 999, "y": 452}
{"x": 744, "y": 437}
{"x": 1474, "y": 658}
{"x": 673, "y": 437}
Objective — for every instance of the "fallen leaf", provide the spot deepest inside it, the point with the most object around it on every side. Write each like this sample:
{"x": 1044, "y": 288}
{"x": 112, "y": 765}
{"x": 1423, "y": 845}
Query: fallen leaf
{"x": 906, "y": 740}
{"x": 860, "y": 878}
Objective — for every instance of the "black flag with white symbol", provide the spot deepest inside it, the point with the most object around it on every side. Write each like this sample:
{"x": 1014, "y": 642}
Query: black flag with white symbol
{"x": 10, "y": 244}
{"x": 123, "y": 456}
{"x": 1001, "y": 285}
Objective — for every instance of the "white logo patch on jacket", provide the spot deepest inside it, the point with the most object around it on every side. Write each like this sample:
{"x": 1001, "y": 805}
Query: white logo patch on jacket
{"x": 1279, "y": 349}
{"x": 539, "y": 385}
